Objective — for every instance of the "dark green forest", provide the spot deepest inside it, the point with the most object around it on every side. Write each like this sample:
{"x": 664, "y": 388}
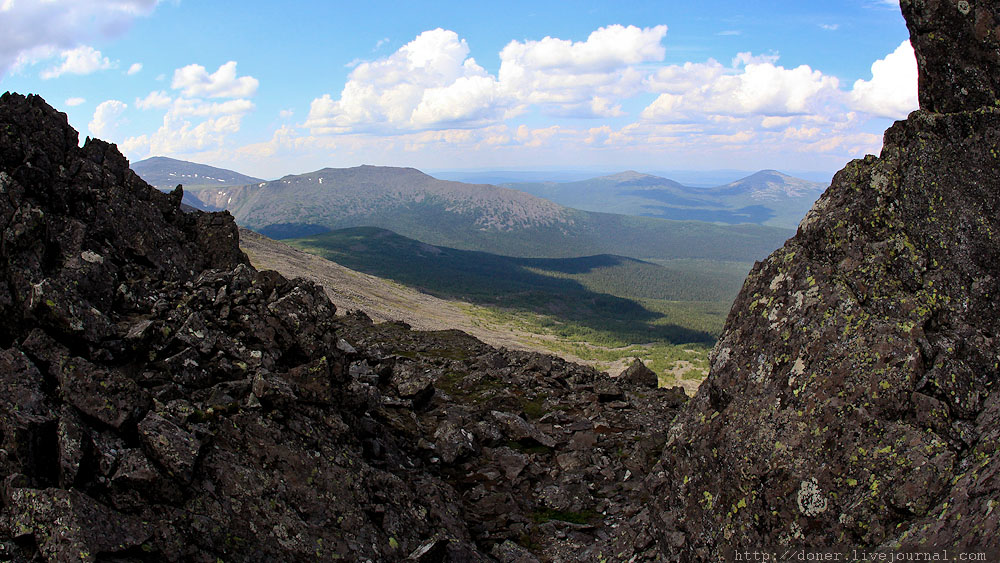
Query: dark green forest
{"x": 605, "y": 299}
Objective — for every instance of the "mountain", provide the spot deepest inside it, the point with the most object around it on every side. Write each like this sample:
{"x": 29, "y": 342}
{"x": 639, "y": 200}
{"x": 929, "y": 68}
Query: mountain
{"x": 767, "y": 197}
{"x": 474, "y": 217}
{"x": 162, "y": 400}
{"x": 199, "y": 180}
{"x": 853, "y": 395}
{"x": 165, "y": 401}
{"x": 770, "y": 185}
{"x": 166, "y": 173}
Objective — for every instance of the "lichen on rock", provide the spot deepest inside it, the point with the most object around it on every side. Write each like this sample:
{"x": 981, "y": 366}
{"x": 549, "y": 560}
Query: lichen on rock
{"x": 852, "y": 393}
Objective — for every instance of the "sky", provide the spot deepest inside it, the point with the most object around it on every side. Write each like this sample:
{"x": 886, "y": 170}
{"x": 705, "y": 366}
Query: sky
{"x": 273, "y": 88}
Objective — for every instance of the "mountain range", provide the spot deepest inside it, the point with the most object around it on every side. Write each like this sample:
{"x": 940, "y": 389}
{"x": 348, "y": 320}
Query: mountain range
{"x": 767, "y": 197}
{"x": 163, "y": 400}
{"x": 479, "y": 217}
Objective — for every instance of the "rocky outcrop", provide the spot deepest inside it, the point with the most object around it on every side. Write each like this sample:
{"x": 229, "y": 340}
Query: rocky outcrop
{"x": 852, "y": 396}
{"x": 160, "y": 400}
{"x": 957, "y": 43}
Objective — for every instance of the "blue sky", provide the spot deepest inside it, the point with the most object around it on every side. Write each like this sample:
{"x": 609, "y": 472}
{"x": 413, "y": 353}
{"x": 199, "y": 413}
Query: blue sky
{"x": 275, "y": 88}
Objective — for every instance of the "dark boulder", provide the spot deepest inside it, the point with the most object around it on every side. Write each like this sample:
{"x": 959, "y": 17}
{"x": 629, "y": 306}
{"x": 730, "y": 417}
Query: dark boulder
{"x": 640, "y": 375}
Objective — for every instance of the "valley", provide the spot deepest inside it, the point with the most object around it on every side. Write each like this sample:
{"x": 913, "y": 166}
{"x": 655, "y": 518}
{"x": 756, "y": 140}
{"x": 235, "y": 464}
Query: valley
{"x": 507, "y": 266}
{"x": 386, "y": 300}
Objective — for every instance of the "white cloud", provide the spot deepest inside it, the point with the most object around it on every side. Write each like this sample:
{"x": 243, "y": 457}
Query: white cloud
{"x": 698, "y": 90}
{"x": 432, "y": 83}
{"x": 192, "y": 124}
{"x": 154, "y": 100}
{"x": 105, "y": 120}
{"x": 194, "y": 81}
{"x": 776, "y": 122}
{"x": 428, "y": 83}
{"x": 829, "y": 26}
{"x": 82, "y": 60}
{"x": 536, "y": 137}
{"x": 892, "y": 91}
{"x": 34, "y": 29}
{"x": 178, "y": 136}
{"x": 580, "y": 78}
{"x": 135, "y": 68}
{"x": 198, "y": 108}
{"x": 285, "y": 113}
{"x": 73, "y": 102}
{"x": 747, "y": 58}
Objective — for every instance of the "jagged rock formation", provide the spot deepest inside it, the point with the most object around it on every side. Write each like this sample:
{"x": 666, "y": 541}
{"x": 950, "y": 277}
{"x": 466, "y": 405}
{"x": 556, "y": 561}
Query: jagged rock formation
{"x": 852, "y": 399}
{"x": 958, "y": 52}
{"x": 160, "y": 400}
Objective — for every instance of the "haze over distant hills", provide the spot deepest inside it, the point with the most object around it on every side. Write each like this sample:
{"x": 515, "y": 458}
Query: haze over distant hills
{"x": 473, "y": 217}
{"x": 767, "y": 197}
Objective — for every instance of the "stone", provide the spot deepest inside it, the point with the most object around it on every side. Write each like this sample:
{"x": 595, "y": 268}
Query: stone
{"x": 170, "y": 445}
{"x": 639, "y": 375}
{"x": 850, "y": 421}
{"x": 520, "y": 430}
{"x": 957, "y": 44}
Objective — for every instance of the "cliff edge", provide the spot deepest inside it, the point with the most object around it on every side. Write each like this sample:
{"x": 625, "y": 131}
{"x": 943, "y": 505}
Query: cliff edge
{"x": 852, "y": 397}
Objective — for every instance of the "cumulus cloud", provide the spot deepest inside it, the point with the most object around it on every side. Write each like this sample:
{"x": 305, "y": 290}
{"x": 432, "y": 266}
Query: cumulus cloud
{"x": 134, "y": 69}
{"x": 428, "y": 83}
{"x": 191, "y": 122}
{"x": 698, "y": 90}
{"x": 536, "y": 137}
{"x": 154, "y": 100}
{"x": 194, "y": 81}
{"x": 580, "y": 78}
{"x": 198, "y": 108}
{"x": 892, "y": 91}
{"x": 73, "y": 102}
{"x": 179, "y": 136}
{"x": 36, "y": 30}
{"x": 82, "y": 60}
{"x": 432, "y": 83}
{"x": 105, "y": 120}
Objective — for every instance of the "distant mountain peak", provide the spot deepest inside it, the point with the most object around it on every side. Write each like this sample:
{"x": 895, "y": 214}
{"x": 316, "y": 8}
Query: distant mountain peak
{"x": 772, "y": 184}
{"x": 166, "y": 172}
{"x": 627, "y": 175}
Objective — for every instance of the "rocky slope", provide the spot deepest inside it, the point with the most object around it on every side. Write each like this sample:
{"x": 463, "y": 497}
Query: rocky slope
{"x": 161, "y": 400}
{"x": 852, "y": 397}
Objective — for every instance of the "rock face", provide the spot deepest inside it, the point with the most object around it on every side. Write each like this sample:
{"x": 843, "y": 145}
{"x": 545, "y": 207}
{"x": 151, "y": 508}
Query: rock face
{"x": 852, "y": 399}
{"x": 957, "y": 43}
{"x": 160, "y": 400}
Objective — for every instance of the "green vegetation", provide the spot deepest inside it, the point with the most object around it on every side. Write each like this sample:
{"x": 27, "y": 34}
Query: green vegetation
{"x": 672, "y": 362}
{"x": 572, "y": 233}
{"x": 479, "y": 217}
{"x": 605, "y": 309}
